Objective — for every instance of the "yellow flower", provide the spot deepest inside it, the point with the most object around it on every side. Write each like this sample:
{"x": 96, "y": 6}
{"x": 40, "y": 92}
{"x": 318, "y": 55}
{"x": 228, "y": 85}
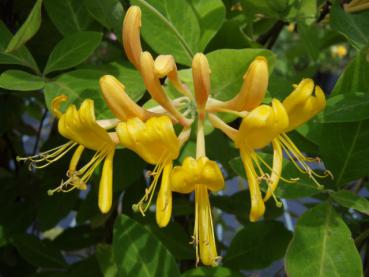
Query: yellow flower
{"x": 81, "y": 128}
{"x": 200, "y": 175}
{"x": 301, "y": 105}
{"x": 156, "y": 142}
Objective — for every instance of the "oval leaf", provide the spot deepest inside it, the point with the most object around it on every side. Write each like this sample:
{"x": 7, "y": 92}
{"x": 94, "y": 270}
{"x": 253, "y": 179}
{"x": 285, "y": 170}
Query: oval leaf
{"x": 322, "y": 246}
{"x": 69, "y": 16}
{"x": 255, "y": 245}
{"x": 137, "y": 252}
{"x": 20, "y": 80}
{"x": 346, "y": 107}
{"x": 72, "y": 51}
{"x": 349, "y": 199}
{"x": 28, "y": 29}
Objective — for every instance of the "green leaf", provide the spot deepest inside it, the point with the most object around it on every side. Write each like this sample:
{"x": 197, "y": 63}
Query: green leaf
{"x": 166, "y": 21}
{"x": 69, "y": 16}
{"x": 27, "y": 30}
{"x": 310, "y": 39}
{"x": 228, "y": 66}
{"x": 303, "y": 10}
{"x": 349, "y": 107}
{"x": 211, "y": 15}
{"x": 105, "y": 258}
{"x": 218, "y": 271}
{"x": 255, "y": 246}
{"x": 347, "y": 157}
{"x": 78, "y": 85}
{"x": 20, "y": 80}
{"x": 349, "y": 199}
{"x": 353, "y": 27}
{"x": 3, "y": 239}
{"x": 355, "y": 77}
{"x": 20, "y": 56}
{"x": 108, "y": 13}
{"x": 137, "y": 252}
{"x": 322, "y": 246}
{"x": 37, "y": 252}
{"x": 72, "y": 50}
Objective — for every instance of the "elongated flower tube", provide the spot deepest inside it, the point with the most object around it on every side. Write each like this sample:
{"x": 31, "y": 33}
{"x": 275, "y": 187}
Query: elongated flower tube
{"x": 252, "y": 92}
{"x": 201, "y": 81}
{"x": 120, "y": 104}
{"x": 155, "y": 89}
{"x": 156, "y": 142}
{"x": 200, "y": 175}
{"x": 81, "y": 128}
{"x": 131, "y": 35}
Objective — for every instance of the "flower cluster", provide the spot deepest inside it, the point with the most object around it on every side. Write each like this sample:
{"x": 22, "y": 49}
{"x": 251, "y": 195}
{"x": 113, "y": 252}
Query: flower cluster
{"x": 150, "y": 134}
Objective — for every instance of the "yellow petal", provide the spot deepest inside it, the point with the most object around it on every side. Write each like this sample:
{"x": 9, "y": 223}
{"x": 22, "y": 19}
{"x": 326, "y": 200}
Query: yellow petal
{"x": 257, "y": 203}
{"x": 276, "y": 170}
{"x": 154, "y": 140}
{"x": 201, "y": 81}
{"x": 192, "y": 172}
{"x": 131, "y": 35}
{"x": 75, "y": 159}
{"x": 262, "y": 125}
{"x": 121, "y": 105}
{"x": 80, "y": 126}
{"x": 164, "y": 200}
{"x": 106, "y": 184}
{"x": 301, "y": 105}
{"x": 208, "y": 251}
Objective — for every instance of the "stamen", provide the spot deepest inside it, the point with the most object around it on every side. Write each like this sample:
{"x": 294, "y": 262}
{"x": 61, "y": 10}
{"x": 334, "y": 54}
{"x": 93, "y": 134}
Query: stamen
{"x": 145, "y": 201}
{"x": 48, "y": 157}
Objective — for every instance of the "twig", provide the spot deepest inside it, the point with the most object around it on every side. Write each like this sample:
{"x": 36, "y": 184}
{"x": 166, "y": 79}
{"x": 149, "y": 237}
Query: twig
{"x": 38, "y": 135}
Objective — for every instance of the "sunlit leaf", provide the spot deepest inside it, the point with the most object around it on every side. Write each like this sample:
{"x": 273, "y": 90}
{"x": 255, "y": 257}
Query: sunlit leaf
{"x": 322, "y": 246}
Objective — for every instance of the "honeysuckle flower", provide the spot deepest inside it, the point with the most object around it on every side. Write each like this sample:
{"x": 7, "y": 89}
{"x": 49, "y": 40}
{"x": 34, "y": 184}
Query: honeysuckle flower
{"x": 156, "y": 142}
{"x": 301, "y": 105}
{"x": 268, "y": 125}
{"x": 199, "y": 176}
{"x": 82, "y": 130}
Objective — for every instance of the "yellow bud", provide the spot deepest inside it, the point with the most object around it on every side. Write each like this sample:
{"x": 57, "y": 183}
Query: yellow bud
{"x": 120, "y": 104}
{"x": 201, "y": 79}
{"x": 131, "y": 35}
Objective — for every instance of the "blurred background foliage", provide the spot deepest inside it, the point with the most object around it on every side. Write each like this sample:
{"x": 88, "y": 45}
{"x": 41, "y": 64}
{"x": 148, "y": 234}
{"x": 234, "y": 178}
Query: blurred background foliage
{"x": 52, "y": 47}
